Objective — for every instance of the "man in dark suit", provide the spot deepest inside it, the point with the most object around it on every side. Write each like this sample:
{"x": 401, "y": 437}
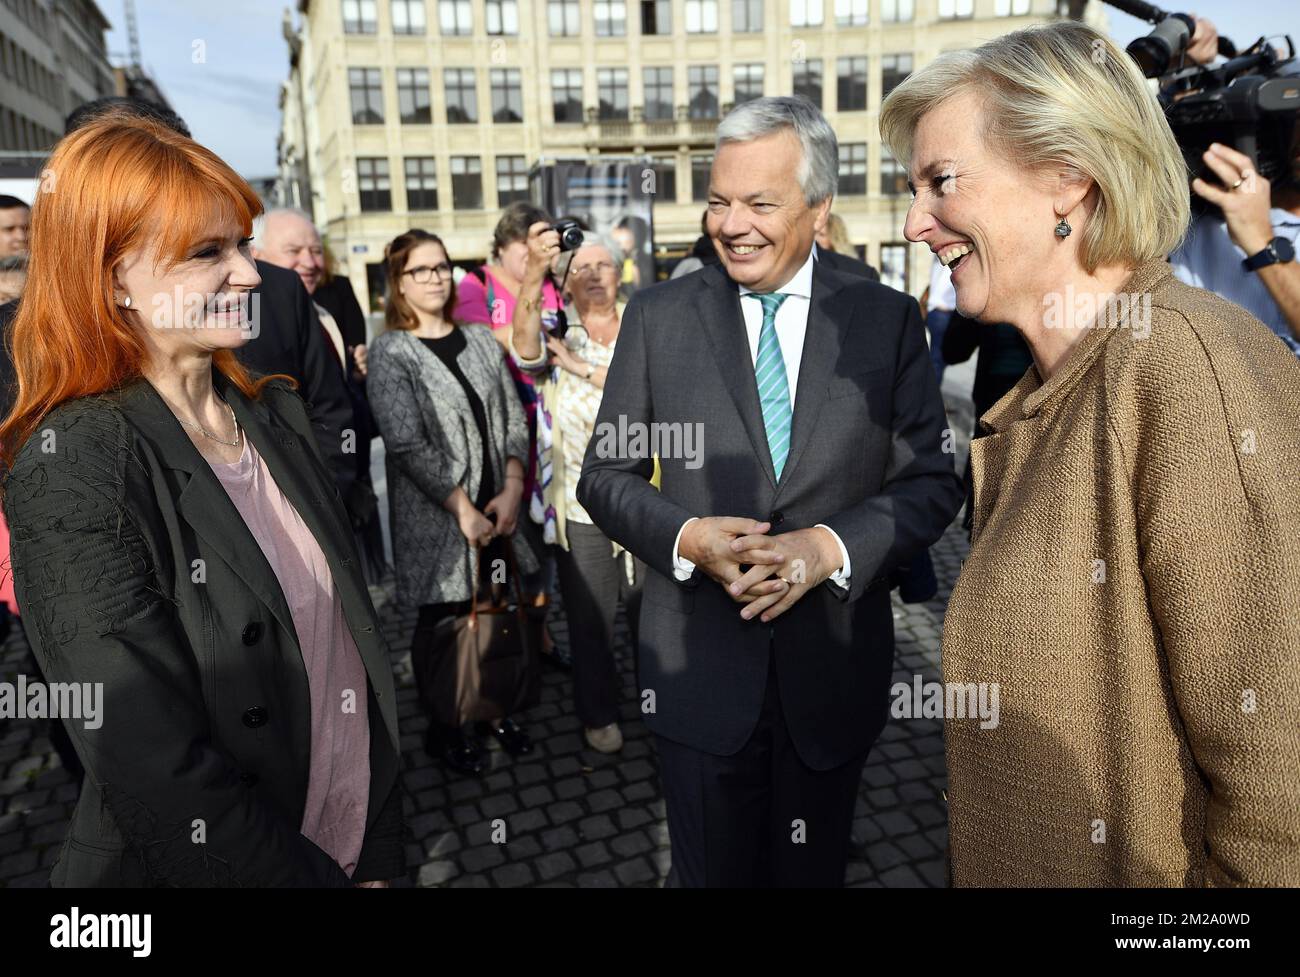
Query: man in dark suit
{"x": 290, "y": 340}
{"x": 766, "y": 632}
{"x": 847, "y": 264}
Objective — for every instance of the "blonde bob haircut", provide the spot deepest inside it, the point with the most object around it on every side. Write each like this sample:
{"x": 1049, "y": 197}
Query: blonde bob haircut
{"x": 1064, "y": 95}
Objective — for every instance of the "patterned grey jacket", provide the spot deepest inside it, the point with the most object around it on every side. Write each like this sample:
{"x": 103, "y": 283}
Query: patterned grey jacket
{"x": 431, "y": 446}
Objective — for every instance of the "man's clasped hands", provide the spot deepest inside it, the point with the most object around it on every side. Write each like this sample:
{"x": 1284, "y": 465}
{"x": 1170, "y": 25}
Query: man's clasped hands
{"x": 781, "y": 568}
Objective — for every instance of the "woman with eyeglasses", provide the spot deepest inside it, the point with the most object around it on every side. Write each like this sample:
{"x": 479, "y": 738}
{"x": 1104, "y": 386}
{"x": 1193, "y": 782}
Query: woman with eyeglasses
{"x": 595, "y": 573}
{"x": 456, "y": 443}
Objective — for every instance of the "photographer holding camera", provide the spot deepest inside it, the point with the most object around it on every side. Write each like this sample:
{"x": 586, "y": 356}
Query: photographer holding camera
{"x": 1248, "y": 255}
{"x": 570, "y": 370}
{"x": 1247, "y": 251}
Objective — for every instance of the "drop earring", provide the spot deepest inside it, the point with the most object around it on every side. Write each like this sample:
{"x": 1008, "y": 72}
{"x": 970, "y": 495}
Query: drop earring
{"x": 1063, "y": 228}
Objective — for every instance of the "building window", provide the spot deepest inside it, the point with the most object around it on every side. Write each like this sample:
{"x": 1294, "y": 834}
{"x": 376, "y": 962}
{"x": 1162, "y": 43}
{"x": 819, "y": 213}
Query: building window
{"x": 851, "y": 84}
{"x": 665, "y": 170}
{"x": 656, "y": 16}
{"x": 702, "y": 90}
{"x": 366, "y": 87}
{"x": 503, "y": 17}
{"x": 462, "y": 99}
{"x": 808, "y": 80}
{"x": 893, "y": 69}
{"x": 658, "y": 93}
{"x": 507, "y": 95}
{"x": 413, "y": 96}
{"x": 951, "y": 9}
{"x": 746, "y": 16}
{"x": 455, "y": 17}
{"x": 611, "y": 93}
{"x": 1011, "y": 8}
{"x": 850, "y": 13}
{"x": 896, "y": 11}
{"x": 372, "y": 181}
{"x": 421, "y": 183}
{"x": 701, "y": 16}
{"x": 853, "y": 168}
{"x": 408, "y": 16}
{"x": 512, "y": 180}
{"x": 748, "y": 82}
{"x": 893, "y": 266}
{"x": 566, "y": 94}
{"x": 700, "y": 167}
{"x": 466, "y": 183}
{"x": 893, "y": 176}
{"x": 611, "y": 18}
{"x": 805, "y": 13}
{"x": 359, "y": 17}
{"x": 564, "y": 18}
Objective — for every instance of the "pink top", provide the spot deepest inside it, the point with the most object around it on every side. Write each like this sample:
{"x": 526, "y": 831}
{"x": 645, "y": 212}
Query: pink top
{"x": 472, "y": 301}
{"x": 338, "y": 783}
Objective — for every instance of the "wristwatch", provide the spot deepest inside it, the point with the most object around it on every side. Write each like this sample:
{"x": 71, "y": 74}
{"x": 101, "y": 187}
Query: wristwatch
{"x": 1278, "y": 251}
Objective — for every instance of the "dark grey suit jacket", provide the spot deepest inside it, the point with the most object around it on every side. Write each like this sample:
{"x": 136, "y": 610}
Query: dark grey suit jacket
{"x": 206, "y": 712}
{"x": 291, "y": 341}
{"x": 865, "y": 459}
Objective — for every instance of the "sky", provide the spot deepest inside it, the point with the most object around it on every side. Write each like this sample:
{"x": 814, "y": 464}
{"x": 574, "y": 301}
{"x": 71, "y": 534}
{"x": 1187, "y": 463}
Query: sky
{"x": 220, "y": 62}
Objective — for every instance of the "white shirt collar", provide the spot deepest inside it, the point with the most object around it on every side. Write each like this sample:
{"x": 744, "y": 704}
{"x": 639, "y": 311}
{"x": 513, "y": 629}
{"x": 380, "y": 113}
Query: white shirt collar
{"x": 800, "y": 284}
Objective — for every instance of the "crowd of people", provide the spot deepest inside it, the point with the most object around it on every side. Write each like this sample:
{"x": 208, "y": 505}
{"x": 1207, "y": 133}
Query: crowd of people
{"x": 193, "y": 521}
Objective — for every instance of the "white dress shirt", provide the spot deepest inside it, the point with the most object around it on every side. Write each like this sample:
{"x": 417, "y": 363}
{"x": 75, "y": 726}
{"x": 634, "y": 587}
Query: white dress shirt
{"x": 791, "y": 327}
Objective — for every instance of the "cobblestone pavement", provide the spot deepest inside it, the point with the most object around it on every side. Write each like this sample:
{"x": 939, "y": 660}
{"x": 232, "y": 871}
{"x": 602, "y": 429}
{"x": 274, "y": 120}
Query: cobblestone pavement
{"x": 573, "y": 817}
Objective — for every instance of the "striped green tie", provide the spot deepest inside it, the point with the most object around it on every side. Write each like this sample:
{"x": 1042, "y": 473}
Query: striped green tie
{"x": 773, "y": 385}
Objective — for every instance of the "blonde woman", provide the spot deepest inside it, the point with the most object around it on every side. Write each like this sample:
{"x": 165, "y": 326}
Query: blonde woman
{"x": 1135, "y": 564}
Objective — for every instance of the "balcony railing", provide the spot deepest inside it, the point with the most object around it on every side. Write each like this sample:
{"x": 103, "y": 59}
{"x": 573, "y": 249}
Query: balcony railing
{"x": 637, "y": 130}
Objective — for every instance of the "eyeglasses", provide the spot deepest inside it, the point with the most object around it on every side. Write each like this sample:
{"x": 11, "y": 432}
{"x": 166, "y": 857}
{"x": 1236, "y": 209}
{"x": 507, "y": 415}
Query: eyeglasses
{"x": 424, "y": 274}
{"x": 597, "y": 269}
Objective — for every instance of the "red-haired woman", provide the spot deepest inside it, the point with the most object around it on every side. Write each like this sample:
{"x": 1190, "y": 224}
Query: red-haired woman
{"x": 179, "y": 549}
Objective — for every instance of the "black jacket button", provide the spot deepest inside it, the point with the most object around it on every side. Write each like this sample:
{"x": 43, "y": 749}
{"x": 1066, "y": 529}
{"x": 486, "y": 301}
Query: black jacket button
{"x": 776, "y": 517}
{"x": 255, "y": 717}
{"x": 252, "y": 632}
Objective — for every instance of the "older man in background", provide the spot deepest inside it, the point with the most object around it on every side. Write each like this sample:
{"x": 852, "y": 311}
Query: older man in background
{"x": 287, "y": 237}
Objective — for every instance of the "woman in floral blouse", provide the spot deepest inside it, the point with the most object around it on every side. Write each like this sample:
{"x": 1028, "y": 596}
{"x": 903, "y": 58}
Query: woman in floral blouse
{"x": 595, "y": 573}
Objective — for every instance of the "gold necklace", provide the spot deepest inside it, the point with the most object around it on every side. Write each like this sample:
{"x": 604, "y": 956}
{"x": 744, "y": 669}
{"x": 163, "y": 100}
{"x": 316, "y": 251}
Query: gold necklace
{"x": 198, "y": 427}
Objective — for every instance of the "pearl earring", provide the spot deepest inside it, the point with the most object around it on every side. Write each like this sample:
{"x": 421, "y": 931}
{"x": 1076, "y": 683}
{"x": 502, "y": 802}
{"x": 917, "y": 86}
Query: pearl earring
{"x": 126, "y": 303}
{"x": 1063, "y": 229}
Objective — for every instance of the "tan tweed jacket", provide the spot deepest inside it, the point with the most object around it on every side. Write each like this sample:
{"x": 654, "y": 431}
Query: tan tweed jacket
{"x": 1134, "y": 589}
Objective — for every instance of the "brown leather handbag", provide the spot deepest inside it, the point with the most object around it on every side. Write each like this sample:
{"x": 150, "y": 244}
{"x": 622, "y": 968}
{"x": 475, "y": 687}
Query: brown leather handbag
{"x": 484, "y": 664}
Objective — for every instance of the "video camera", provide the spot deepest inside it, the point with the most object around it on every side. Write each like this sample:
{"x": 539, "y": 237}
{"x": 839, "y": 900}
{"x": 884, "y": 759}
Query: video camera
{"x": 1250, "y": 102}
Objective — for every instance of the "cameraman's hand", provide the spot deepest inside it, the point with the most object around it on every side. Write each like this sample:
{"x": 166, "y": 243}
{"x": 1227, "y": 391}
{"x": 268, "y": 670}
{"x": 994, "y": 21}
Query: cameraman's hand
{"x": 543, "y": 246}
{"x": 1246, "y": 209}
{"x": 1204, "y": 44}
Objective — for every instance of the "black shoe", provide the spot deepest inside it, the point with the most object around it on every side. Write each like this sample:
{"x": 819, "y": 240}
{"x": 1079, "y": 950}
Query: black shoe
{"x": 455, "y": 749}
{"x": 561, "y": 661}
{"x": 512, "y": 739}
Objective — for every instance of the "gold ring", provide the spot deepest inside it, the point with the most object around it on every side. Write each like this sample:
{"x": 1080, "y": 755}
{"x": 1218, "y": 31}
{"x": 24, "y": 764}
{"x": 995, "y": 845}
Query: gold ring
{"x": 1237, "y": 184}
